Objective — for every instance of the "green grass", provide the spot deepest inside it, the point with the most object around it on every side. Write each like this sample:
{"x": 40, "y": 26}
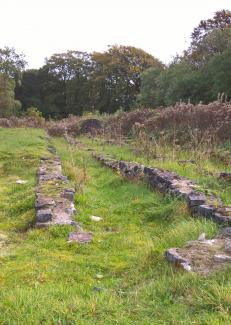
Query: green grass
{"x": 204, "y": 173}
{"x": 45, "y": 280}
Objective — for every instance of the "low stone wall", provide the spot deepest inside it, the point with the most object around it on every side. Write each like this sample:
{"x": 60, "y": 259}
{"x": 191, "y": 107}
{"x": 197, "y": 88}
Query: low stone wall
{"x": 54, "y": 196}
{"x": 201, "y": 256}
{"x": 165, "y": 182}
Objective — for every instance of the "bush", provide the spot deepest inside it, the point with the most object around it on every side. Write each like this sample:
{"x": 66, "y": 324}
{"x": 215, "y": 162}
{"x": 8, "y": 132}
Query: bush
{"x": 68, "y": 125}
{"x": 33, "y": 112}
{"x": 90, "y": 125}
{"x": 183, "y": 122}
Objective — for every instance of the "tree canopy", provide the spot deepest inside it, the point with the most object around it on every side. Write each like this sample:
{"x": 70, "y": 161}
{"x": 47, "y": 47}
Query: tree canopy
{"x": 122, "y": 77}
{"x": 200, "y": 74}
{"x": 75, "y": 82}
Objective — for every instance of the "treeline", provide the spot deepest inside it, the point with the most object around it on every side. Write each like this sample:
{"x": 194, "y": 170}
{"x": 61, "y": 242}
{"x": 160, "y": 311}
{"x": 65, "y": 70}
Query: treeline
{"x": 201, "y": 74}
{"x": 76, "y": 82}
{"x": 122, "y": 78}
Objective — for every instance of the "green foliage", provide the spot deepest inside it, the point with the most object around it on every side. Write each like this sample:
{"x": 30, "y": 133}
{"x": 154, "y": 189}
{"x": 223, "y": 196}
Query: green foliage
{"x": 11, "y": 63}
{"x": 77, "y": 82}
{"x": 8, "y": 105}
{"x": 124, "y": 76}
{"x": 150, "y": 93}
{"x": 117, "y": 76}
{"x": 200, "y": 74}
{"x": 179, "y": 82}
{"x": 30, "y": 89}
{"x": 33, "y": 112}
{"x": 209, "y": 38}
{"x": 218, "y": 73}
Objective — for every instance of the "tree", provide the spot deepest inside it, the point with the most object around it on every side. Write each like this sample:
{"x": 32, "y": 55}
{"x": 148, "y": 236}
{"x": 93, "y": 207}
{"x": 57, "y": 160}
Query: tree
{"x": 210, "y": 37}
{"x": 218, "y": 73}
{"x": 69, "y": 74}
{"x": 117, "y": 76}
{"x": 200, "y": 74}
{"x": 75, "y": 82}
{"x": 221, "y": 20}
{"x": 8, "y": 105}
{"x": 150, "y": 93}
{"x": 29, "y": 91}
{"x": 60, "y": 87}
{"x": 11, "y": 63}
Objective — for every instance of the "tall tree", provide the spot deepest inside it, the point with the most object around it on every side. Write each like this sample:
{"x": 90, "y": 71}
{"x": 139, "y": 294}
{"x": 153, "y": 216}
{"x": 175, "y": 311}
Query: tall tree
{"x": 69, "y": 75}
{"x": 117, "y": 76}
{"x": 150, "y": 93}
{"x": 210, "y": 37}
{"x": 29, "y": 91}
{"x": 8, "y": 105}
{"x": 11, "y": 63}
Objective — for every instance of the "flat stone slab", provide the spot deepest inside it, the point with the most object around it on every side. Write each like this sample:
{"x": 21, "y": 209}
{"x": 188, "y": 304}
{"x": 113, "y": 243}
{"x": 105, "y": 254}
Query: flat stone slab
{"x": 203, "y": 256}
{"x": 80, "y": 237}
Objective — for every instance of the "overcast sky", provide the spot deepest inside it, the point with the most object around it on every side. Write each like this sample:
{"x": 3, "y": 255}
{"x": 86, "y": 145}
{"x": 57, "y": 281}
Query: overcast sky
{"x": 40, "y": 28}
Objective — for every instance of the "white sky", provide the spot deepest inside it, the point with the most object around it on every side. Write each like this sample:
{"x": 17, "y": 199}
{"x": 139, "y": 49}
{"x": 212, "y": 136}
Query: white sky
{"x": 40, "y": 28}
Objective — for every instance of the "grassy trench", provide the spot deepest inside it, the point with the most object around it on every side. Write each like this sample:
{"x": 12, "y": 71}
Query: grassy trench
{"x": 119, "y": 278}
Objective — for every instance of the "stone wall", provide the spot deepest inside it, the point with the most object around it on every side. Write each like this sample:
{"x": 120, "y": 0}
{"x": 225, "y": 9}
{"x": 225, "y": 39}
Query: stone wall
{"x": 54, "y": 196}
{"x": 165, "y": 182}
{"x": 202, "y": 256}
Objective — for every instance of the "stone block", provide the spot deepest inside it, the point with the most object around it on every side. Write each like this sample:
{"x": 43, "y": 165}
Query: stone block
{"x": 44, "y": 203}
{"x": 44, "y": 215}
{"x": 173, "y": 256}
{"x": 205, "y": 211}
{"x": 69, "y": 194}
{"x": 196, "y": 199}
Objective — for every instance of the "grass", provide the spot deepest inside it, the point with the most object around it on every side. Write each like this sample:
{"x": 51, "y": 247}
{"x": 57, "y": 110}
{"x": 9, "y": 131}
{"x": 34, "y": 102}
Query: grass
{"x": 45, "y": 280}
{"x": 204, "y": 172}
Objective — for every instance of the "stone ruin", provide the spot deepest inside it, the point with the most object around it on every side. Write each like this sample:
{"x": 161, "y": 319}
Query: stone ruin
{"x": 54, "y": 196}
{"x": 201, "y": 256}
{"x": 168, "y": 182}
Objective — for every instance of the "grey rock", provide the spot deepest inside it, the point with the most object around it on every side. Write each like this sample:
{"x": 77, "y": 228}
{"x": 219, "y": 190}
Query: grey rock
{"x": 201, "y": 237}
{"x": 44, "y": 203}
{"x": 173, "y": 257}
{"x": 205, "y": 210}
{"x": 69, "y": 194}
{"x": 196, "y": 199}
{"x": 227, "y": 247}
{"x": 44, "y": 215}
{"x": 221, "y": 258}
{"x": 225, "y": 233}
{"x": 80, "y": 237}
